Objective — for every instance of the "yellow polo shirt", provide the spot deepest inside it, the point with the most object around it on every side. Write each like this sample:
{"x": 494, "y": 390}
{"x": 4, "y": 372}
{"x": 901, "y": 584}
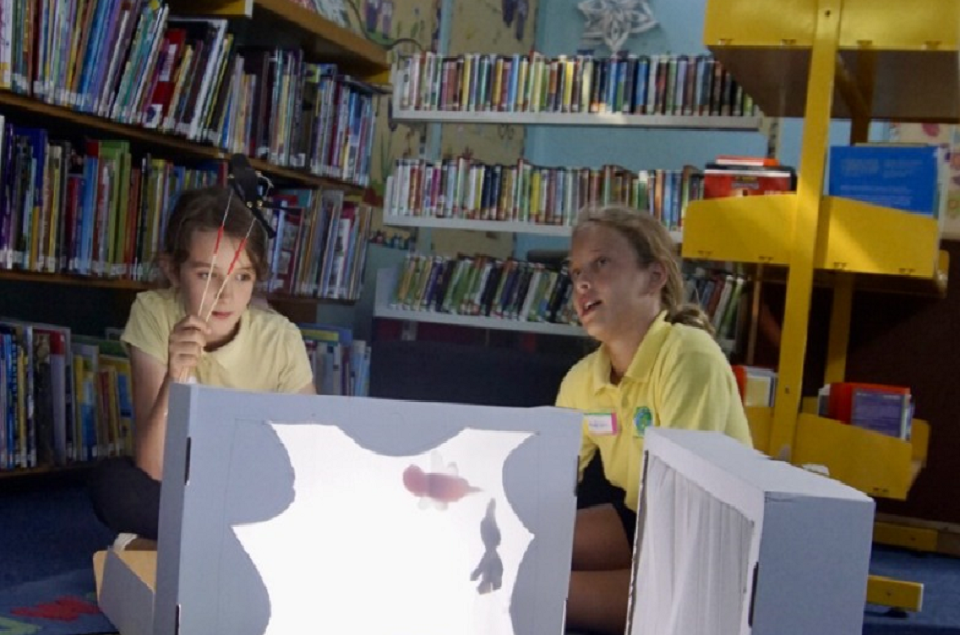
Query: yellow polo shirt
{"x": 678, "y": 378}
{"x": 267, "y": 355}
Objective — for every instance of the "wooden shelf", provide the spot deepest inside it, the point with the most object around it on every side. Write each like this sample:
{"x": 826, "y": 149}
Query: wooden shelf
{"x": 283, "y": 298}
{"x": 136, "y": 286}
{"x": 284, "y": 20}
{"x": 386, "y": 281}
{"x": 176, "y": 145}
{"x": 713, "y": 123}
{"x": 889, "y": 57}
{"x": 42, "y": 470}
{"x": 511, "y": 227}
{"x": 74, "y": 280}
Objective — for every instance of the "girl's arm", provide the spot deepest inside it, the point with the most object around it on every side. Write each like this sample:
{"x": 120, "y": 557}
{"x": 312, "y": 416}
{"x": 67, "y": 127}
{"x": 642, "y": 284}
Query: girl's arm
{"x": 151, "y": 388}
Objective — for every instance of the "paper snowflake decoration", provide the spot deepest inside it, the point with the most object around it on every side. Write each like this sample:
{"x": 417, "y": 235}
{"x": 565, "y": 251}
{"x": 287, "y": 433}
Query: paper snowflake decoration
{"x": 613, "y": 21}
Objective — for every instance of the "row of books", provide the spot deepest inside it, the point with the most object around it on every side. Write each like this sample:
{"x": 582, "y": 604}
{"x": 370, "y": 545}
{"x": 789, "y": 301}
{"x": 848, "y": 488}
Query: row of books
{"x": 512, "y": 289}
{"x": 485, "y": 286}
{"x": 691, "y": 85}
{"x": 757, "y": 385}
{"x": 63, "y": 397}
{"x": 67, "y": 398}
{"x": 95, "y": 209}
{"x": 882, "y": 408}
{"x": 522, "y": 192}
{"x": 718, "y": 293}
{"x": 341, "y": 364}
{"x": 732, "y": 175}
{"x": 321, "y": 245}
{"x": 134, "y": 63}
{"x": 90, "y": 209}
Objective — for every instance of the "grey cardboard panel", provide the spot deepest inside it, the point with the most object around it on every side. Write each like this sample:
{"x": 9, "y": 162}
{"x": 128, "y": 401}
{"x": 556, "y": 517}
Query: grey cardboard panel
{"x": 171, "y": 510}
{"x": 814, "y": 559}
{"x": 331, "y": 461}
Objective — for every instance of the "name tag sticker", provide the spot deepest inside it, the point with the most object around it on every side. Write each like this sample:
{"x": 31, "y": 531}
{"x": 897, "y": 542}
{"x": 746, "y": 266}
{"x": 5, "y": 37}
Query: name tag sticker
{"x": 601, "y": 423}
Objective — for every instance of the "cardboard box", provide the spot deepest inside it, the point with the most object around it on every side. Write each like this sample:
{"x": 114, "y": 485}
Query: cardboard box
{"x": 295, "y": 514}
{"x": 126, "y": 580}
{"x": 730, "y": 541}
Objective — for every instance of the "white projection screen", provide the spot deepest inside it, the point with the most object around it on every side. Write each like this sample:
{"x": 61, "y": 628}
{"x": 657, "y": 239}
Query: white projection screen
{"x": 305, "y": 514}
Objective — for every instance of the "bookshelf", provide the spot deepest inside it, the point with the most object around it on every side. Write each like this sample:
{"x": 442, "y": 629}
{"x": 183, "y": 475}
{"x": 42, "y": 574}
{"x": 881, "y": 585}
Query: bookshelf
{"x": 882, "y": 63}
{"x": 112, "y": 116}
{"x": 387, "y": 280}
{"x": 173, "y": 145}
{"x": 435, "y": 90}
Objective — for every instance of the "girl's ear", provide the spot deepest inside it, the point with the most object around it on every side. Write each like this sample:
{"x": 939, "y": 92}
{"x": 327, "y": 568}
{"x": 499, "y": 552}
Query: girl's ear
{"x": 658, "y": 277}
{"x": 170, "y": 270}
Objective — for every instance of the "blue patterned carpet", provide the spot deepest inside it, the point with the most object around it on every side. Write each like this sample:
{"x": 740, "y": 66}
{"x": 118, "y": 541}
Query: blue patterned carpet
{"x": 49, "y": 534}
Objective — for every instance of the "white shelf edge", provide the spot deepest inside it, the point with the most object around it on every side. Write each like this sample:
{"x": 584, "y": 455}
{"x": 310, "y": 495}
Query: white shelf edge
{"x": 512, "y": 227}
{"x": 694, "y": 122}
{"x": 386, "y": 279}
{"x": 480, "y": 322}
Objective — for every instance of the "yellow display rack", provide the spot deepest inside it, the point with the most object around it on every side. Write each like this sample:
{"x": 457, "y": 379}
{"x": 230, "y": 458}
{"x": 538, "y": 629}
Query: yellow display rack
{"x": 885, "y": 63}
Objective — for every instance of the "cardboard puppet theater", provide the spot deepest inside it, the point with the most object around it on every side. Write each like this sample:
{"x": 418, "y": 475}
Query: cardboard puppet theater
{"x": 297, "y": 514}
{"x": 730, "y": 542}
{"x": 294, "y": 514}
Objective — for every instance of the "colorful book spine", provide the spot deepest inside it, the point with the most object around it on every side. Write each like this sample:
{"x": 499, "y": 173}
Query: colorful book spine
{"x": 674, "y": 85}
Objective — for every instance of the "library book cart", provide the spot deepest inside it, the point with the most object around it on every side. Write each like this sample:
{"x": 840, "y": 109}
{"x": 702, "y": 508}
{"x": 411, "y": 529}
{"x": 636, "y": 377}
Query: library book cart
{"x": 885, "y": 62}
{"x": 41, "y": 293}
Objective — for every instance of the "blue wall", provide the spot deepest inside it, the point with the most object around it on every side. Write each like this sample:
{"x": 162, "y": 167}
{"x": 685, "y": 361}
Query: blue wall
{"x": 680, "y": 31}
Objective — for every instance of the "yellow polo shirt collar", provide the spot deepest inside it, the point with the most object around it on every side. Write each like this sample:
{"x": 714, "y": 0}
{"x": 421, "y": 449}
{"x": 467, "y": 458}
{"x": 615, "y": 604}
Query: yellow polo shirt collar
{"x": 643, "y": 359}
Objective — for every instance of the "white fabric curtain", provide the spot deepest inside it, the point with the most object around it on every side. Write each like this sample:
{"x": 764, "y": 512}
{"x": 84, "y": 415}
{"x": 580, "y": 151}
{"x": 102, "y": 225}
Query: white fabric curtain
{"x": 693, "y": 573}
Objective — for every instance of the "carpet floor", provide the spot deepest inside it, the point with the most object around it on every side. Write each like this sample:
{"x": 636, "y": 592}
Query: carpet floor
{"x": 50, "y": 535}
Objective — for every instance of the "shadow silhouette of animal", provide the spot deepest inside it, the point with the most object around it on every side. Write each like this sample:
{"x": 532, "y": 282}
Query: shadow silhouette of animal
{"x": 490, "y": 569}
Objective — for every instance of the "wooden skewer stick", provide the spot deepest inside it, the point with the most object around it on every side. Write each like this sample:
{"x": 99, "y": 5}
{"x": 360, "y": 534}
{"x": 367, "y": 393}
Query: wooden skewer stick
{"x": 216, "y": 248}
{"x": 233, "y": 263}
{"x": 185, "y": 375}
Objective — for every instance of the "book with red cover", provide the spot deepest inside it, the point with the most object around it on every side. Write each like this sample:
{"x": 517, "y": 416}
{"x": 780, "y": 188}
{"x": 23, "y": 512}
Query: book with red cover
{"x": 724, "y": 181}
{"x": 840, "y": 402}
